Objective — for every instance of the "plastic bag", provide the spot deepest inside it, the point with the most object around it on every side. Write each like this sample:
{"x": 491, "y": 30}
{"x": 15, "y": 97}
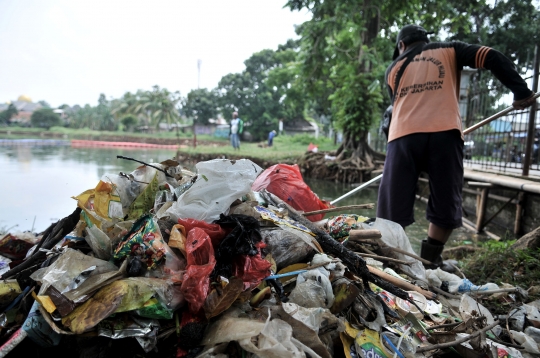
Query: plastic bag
{"x": 220, "y": 182}
{"x": 286, "y": 182}
{"x": 393, "y": 235}
{"x": 251, "y": 269}
{"x": 162, "y": 196}
{"x": 534, "y": 333}
{"x": 100, "y": 243}
{"x": 533, "y": 315}
{"x": 527, "y": 342}
{"x": 321, "y": 276}
{"x": 469, "y": 308}
{"x": 177, "y": 239}
{"x": 4, "y": 264}
{"x": 107, "y": 203}
{"x": 144, "y": 240}
{"x": 276, "y": 341}
{"x": 309, "y": 294}
{"x": 455, "y": 283}
{"x": 146, "y": 199}
{"x": 215, "y": 231}
{"x": 119, "y": 296}
{"x": 311, "y": 317}
{"x": 229, "y": 327}
{"x": 200, "y": 264}
{"x": 313, "y": 289}
{"x": 286, "y": 248}
{"x": 126, "y": 190}
{"x": 68, "y": 266}
{"x": 242, "y": 239}
{"x": 518, "y": 315}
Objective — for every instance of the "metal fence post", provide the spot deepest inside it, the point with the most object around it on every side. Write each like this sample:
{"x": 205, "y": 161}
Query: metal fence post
{"x": 532, "y": 115}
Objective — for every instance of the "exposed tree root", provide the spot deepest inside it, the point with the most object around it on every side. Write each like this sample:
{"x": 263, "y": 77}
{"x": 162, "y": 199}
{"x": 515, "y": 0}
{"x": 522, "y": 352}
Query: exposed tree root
{"x": 353, "y": 162}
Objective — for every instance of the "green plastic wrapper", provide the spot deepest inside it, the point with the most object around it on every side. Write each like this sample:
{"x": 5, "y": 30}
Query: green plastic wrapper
{"x": 145, "y": 201}
{"x": 154, "y": 309}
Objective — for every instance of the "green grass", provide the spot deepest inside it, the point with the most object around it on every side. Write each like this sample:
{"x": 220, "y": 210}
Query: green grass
{"x": 285, "y": 149}
{"x": 498, "y": 263}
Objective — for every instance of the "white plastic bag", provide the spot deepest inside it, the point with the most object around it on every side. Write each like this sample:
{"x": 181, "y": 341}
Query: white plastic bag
{"x": 220, "y": 182}
{"x": 311, "y": 317}
{"x": 469, "y": 306}
{"x": 276, "y": 341}
{"x": 393, "y": 235}
{"x": 456, "y": 284}
{"x": 527, "y": 342}
{"x": 315, "y": 278}
{"x": 534, "y": 333}
{"x": 99, "y": 242}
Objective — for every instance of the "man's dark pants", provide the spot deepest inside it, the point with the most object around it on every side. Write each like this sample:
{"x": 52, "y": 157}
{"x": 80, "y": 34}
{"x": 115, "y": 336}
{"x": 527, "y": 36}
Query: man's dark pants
{"x": 440, "y": 155}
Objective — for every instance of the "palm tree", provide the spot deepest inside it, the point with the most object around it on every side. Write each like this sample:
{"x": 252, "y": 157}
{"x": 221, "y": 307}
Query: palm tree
{"x": 153, "y": 107}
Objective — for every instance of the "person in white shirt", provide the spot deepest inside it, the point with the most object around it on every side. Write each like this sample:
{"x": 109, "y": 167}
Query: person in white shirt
{"x": 236, "y": 129}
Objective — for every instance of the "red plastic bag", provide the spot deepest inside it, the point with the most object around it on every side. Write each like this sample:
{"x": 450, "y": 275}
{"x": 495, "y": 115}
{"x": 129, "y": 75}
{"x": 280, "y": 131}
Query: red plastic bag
{"x": 252, "y": 269}
{"x": 215, "y": 231}
{"x": 285, "y": 181}
{"x": 201, "y": 262}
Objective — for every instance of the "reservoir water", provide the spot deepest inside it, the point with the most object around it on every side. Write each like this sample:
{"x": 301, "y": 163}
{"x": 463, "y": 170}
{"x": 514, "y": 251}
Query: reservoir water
{"x": 38, "y": 181}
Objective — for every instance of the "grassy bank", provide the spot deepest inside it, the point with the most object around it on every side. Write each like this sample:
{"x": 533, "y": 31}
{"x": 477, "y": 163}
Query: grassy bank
{"x": 285, "y": 149}
{"x": 497, "y": 263}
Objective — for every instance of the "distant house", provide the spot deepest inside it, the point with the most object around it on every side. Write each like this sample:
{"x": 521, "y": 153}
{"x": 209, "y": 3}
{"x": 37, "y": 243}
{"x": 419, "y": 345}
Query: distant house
{"x": 170, "y": 127}
{"x": 25, "y": 107}
{"x": 300, "y": 126}
{"x": 210, "y": 128}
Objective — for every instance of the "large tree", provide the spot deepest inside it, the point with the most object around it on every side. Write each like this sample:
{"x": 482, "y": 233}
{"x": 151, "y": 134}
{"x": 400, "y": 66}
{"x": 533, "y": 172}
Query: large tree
{"x": 6, "y": 115}
{"x": 345, "y": 49}
{"x": 200, "y": 105}
{"x": 347, "y": 45}
{"x": 265, "y": 91}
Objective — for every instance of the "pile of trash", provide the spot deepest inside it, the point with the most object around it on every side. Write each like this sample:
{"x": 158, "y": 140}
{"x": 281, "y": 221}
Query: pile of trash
{"x": 234, "y": 261}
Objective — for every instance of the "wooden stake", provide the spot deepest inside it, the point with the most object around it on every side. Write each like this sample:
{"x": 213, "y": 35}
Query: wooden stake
{"x": 364, "y": 234}
{"x": 401, "y": 283}
{"x": 340, "y": 208}
{"x": 457, "y": 341}
{"x": 383, "y": 258}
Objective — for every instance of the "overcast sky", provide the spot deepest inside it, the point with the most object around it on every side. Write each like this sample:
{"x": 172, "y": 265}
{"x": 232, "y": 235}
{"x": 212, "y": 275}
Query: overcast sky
{"x": 66, "y": 51}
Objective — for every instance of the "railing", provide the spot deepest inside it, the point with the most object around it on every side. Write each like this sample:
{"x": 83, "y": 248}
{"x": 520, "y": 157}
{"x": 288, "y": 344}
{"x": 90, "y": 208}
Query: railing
{"x": 498, "y": 146}
{"x": 501, "y": 145}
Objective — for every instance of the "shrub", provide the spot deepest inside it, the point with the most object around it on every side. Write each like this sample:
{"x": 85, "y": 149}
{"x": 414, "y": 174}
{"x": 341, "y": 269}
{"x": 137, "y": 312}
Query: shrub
{"x": 129, "y": 121}
{"x": 45, "y": 118}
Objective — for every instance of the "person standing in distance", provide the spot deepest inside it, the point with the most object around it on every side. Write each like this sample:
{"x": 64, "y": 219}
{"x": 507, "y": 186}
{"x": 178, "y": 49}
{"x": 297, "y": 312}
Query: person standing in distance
{"x": 425, "y": 133}
{"x": 236, "y": 127}
{"x": 271, "y": 136}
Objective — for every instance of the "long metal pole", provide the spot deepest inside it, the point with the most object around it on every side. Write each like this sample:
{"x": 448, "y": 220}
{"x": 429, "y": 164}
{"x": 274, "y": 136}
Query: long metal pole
{"x": 494, "y": 117}
{"x": 377, "y": 178}
{"x": 532, "y": 116}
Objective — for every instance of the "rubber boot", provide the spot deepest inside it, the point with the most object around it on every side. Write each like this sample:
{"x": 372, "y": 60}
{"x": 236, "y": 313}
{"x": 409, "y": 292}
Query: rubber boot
{"x": 433, "y": 253}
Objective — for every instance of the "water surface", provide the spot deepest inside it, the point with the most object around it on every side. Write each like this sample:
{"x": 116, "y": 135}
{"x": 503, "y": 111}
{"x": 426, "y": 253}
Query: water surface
{"x": 38, "y": 181}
